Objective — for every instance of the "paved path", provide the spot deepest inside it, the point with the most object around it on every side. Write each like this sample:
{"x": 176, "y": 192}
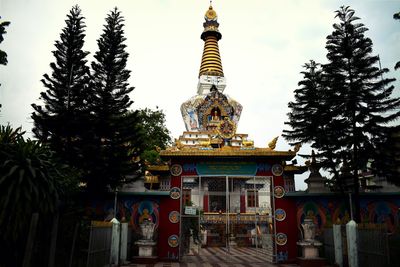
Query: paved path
{"x": 207, "y": 264}
{"x": 221, "y": 257}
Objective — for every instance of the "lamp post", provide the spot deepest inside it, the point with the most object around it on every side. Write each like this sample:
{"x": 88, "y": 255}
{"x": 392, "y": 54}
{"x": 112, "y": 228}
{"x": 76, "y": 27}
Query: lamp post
{"x": 115, "y": 202}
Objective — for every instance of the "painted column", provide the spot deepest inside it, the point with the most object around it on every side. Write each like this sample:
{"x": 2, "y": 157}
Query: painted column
{"x": 242, "y": 200}
{"x": 114, "y": 256}
{"x": 337, "y": 240}
{"x": 205, "y": 197}
{"x": 352, "y": 242}
{"x": 124, "y": 242}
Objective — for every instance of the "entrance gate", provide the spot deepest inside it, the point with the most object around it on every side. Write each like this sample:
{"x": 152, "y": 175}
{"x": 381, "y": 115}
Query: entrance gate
{"x": 227, "y": 218}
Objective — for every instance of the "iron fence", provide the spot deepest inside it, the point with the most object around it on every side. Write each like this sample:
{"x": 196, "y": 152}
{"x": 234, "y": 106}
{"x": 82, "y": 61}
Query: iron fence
{"x": 99, "y": 244}
{"x": 373, "y": 248}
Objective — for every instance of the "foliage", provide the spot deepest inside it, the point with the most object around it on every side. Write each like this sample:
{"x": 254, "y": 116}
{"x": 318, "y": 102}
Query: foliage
{"x": 156, "y": 136}
{"x": 3, "y": 55}
{"x": 62, "y": 121}
{"x": 155, "y": 132}
{"x": 354, "y": 104}
{"x": 397, "y": 16}
{"x": 387, "y": 161}
{"x": 117, "y": 134}
{"x": 32, "y": 180}
{"x": 310, "y": 119}
{"x": 363, "y": 94}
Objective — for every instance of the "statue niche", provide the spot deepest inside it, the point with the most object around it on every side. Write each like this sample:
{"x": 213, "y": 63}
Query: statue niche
{"x": 213, "y": 109}
{"x": 215, "y": 115}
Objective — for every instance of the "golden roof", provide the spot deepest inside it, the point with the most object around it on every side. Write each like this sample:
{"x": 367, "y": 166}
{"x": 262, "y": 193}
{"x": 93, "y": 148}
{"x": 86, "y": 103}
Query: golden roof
{"x": 158, "y": 168}
{"x": 295, "y": 169}
{"x": 151, "y": 179}
{"x": 227, "y": 152}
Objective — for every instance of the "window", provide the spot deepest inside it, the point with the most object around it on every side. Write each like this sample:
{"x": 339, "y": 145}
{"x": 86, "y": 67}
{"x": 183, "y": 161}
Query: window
{"x": 186, "y": 197}
{"x": 252, "y": 198}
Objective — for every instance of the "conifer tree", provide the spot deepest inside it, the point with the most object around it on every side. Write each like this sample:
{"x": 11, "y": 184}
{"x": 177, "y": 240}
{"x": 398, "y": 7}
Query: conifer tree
{"x": 3, "y": 55}
{"x": 361, "y": 95}
{"x": 303, "y": 117}
{"x": 313, "y": 121}
{"x": 349, "y": 117}
{"x": 387, "y": 161}
{"x": 397, "y": 17}
{"x": 117, "y": 133}
{"x": 62, "y": 120}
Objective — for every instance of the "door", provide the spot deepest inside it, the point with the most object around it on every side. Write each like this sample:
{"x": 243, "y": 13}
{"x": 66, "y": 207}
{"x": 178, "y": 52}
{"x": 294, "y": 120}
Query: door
{"x": 228, "y": 216}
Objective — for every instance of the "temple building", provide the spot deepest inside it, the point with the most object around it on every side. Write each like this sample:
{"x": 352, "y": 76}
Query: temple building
{"x": 226, "y": 189}
{"x": 214, "y": 196}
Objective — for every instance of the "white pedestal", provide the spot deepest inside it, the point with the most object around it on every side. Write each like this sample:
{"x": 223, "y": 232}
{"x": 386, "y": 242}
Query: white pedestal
{"x": 146, "y": 247}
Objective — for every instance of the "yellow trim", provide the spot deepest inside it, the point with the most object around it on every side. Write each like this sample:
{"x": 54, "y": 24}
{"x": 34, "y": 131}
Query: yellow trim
{"x": 158, "y": 168}
{"x": 259, "y": 152}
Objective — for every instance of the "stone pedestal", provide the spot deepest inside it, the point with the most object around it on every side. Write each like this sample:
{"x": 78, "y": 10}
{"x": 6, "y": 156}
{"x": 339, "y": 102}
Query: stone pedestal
{"x": 309, "y": 247}
{"x": 146, "y": 248}
{"x": 146, "y": 244}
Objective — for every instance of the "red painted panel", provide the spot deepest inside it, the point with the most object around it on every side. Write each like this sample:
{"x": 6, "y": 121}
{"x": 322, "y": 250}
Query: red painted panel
{"x": 205, "y": 202}
{"x": 287, "y": 226}
{"x": 166, "y": 228}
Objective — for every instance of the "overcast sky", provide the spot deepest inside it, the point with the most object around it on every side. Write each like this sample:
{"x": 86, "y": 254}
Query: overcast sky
{"x": 264, "y": 45}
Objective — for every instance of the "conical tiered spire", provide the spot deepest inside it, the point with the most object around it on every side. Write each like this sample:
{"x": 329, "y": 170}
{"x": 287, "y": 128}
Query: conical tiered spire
{"x": 211, "y": 60}
{"x": 208, "y": 109}
{"x": 211, "y": 72}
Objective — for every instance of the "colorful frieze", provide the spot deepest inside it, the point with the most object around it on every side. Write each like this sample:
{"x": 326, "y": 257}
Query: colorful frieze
{"x": 263, "y": 167}
{"x": 327, "y": 211}
{"x": 129, "y": 209}
{"x": 227, "y": 168}
{"x": 145, "y": 210}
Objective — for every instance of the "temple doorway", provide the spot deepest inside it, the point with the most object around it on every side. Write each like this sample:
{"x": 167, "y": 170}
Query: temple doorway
{"x": 227, "y": 218}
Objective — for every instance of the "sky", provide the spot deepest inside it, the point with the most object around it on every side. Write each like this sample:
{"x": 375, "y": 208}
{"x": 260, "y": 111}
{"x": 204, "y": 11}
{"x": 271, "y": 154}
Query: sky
{"x": 264, "y": 45}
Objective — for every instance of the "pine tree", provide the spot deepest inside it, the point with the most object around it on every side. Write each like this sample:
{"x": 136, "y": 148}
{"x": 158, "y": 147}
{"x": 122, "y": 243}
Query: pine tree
{"x": 387, "y": 161}
{"x": 397, "y": 16}
{"x": 3, "y": 55}
{"x": 360, "y": 93}
{"x": 117, "y": 133}
{"x": 303, "y": 117}
{"x": 62, "y": 120}
{"x": 312, "y": 120}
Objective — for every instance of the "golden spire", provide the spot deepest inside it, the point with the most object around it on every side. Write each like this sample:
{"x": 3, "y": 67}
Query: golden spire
{"x": 211, "y": 60}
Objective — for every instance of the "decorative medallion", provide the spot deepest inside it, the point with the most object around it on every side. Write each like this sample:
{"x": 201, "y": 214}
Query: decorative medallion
{"x": 279, "y": 191}
{"x": 277, "y": 169}
{"x": 176, "y": 170}
{"x": 175, "y": 193}
{"x": 281, "y": 239}
{"x": 173, "y": 241}
{"x": 226, "y": 128}
{"x": 174, "y": 216}
{"x": 280, "y": 214}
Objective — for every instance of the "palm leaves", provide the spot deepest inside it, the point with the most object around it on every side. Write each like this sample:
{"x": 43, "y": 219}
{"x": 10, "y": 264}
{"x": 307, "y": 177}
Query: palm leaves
{"x": 29, "y": 181}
